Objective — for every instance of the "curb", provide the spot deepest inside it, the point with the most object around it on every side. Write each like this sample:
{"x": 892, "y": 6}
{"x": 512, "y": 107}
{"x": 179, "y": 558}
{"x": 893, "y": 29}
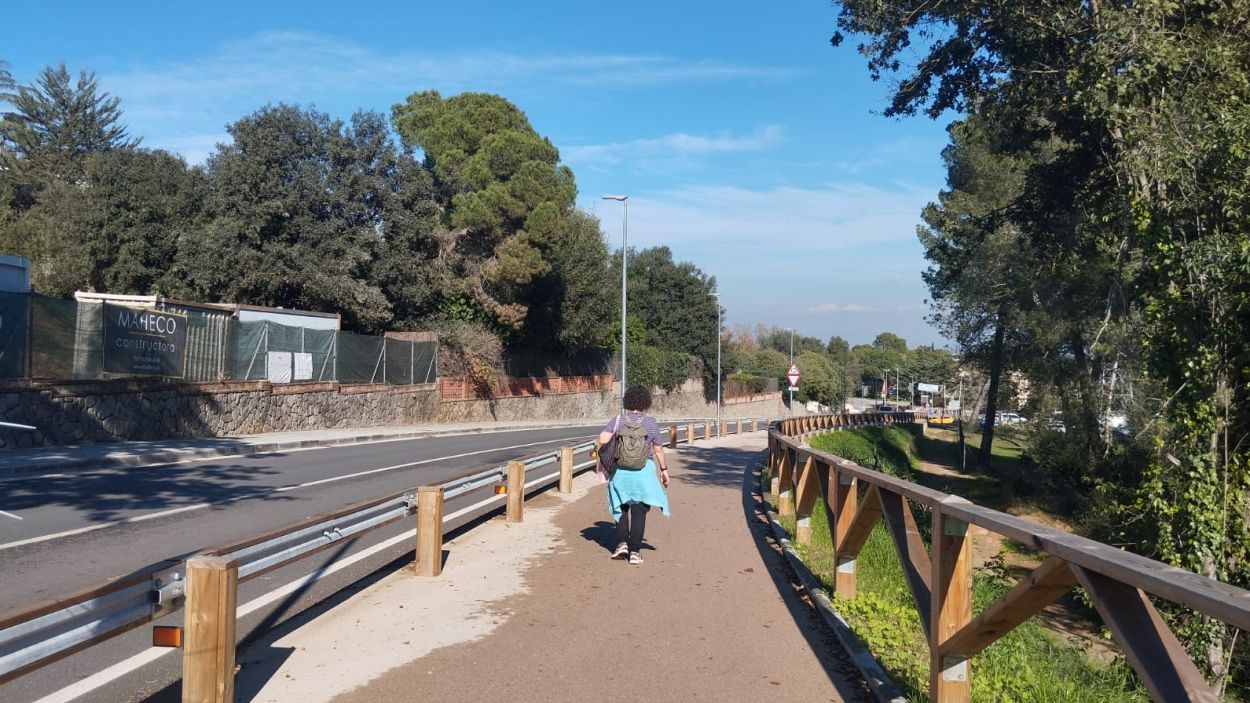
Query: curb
{"x": 169, "y": 456}
{"x": 880, "y": 683}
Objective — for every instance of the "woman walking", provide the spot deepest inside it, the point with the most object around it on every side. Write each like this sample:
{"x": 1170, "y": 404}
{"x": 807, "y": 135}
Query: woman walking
{"x": 635, "y": 487}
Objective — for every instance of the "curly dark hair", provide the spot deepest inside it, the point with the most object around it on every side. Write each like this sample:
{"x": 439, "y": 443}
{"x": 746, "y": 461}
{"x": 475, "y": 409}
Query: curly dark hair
{"x": 637, "y": 398}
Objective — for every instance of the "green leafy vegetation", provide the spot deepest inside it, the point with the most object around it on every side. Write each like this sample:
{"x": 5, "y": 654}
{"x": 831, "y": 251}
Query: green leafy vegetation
{"x": 888, "y": 449}
{"x": 1093, "y": 241}
{"x": 465, "y": 225}
{"x": 1028, "y": 664}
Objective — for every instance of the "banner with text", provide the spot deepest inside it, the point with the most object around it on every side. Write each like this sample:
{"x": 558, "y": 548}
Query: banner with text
{"x": 144, "y": 341}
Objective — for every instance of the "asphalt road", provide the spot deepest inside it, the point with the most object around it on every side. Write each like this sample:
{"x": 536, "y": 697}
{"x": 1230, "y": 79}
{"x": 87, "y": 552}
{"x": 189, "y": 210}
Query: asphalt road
{"x": 79, "y": 528}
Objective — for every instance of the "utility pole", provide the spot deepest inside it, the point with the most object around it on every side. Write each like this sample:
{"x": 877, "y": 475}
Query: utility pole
{"x": 792, "y": 364}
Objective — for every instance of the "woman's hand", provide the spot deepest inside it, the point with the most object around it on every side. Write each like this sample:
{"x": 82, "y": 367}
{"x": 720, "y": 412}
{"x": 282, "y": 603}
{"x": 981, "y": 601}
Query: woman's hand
{"x": 664, "y": 477}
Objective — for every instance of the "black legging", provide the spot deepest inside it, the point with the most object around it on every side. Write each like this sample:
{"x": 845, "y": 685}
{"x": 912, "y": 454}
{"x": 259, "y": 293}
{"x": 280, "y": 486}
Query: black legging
{"x": 630, "y": 531}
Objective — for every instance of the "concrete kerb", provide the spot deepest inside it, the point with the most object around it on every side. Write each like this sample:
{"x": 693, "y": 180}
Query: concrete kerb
{"x": 880, "y": 683}
{"x": 242, "y": 449}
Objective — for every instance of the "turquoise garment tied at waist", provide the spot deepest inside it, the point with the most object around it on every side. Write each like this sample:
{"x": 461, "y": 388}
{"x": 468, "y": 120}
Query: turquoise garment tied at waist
{"x": 641, "y": 486}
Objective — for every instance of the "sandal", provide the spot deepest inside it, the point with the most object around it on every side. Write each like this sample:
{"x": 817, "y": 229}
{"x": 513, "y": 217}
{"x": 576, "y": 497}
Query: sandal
{"x": 621, "y": 551}
{"x": 635, "y": 558}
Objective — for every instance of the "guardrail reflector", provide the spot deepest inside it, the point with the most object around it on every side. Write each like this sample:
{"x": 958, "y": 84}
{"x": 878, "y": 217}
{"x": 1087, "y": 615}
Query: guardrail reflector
{"x": 501, "y": 490}
{"x": 166, "y": 636}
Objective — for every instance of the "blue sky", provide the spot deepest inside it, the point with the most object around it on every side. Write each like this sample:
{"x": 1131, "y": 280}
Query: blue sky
{"x": 745, "y": 141}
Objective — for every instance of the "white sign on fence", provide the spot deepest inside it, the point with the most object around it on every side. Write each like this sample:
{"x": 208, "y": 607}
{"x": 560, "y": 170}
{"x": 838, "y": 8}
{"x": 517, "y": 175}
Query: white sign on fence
{"x": 278, "y": 367}
{"x": 303, "y": 366}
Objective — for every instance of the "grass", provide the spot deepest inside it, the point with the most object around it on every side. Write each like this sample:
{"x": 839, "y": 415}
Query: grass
{"x": 1028, "y": 664}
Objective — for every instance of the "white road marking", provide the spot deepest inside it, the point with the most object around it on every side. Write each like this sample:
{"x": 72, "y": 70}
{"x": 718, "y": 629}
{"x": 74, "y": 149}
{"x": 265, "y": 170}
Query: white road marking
{"x": 282, "y": 489}
{"x": 245, "y": 455}
{"x": 102, "y": 525}
{"x": 5, "y": 512}
{"x": 147, "y": 656}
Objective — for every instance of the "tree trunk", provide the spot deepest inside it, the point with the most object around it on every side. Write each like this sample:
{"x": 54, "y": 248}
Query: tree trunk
{"x": 991, "y": 405}
{"x": 976, "y": 410}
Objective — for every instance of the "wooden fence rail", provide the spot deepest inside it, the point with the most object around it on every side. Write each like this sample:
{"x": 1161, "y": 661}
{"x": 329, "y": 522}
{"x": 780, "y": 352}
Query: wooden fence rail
{"x": 856, "y": 499}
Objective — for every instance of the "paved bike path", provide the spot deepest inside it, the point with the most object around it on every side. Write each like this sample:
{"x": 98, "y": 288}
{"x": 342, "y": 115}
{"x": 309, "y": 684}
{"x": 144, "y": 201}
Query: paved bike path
{"x": 537, "y": 611}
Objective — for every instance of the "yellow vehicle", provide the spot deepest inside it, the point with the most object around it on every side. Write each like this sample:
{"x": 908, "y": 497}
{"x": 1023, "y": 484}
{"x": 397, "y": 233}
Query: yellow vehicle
{"x": 941, "y": 418}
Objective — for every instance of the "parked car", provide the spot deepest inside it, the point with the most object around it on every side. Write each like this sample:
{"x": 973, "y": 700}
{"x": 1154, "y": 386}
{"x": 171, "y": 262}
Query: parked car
{"x": 1001, "y": 419}
{"x": 887, "y": 409}
{"x": 1056, "y": 422}
{"x": 1011, "y": 418}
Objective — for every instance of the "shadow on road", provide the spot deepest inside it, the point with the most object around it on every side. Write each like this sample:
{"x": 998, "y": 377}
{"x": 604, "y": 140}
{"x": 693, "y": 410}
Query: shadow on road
{"x": 107, "y": 495}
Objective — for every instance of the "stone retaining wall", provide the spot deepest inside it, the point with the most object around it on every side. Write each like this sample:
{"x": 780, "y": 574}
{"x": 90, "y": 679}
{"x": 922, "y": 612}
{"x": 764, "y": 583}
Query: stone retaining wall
{"x": 687, "y": 401}
{"x": 112, "y": 411}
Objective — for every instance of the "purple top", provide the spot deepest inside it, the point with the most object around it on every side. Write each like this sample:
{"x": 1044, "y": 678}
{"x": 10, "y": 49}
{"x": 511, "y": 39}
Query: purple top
{"x": 650, "y": 424}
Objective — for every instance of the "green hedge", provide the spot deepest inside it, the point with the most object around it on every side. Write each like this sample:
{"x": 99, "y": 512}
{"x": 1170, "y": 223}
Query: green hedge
{"x": 657, "y": 368}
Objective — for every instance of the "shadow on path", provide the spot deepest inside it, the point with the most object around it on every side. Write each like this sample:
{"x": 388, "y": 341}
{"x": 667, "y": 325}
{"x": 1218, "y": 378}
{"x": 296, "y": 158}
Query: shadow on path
{"x": 837, "y": 664}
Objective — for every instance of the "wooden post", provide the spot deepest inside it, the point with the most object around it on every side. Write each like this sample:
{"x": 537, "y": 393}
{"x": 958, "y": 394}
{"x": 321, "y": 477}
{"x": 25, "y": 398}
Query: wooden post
{"x": 806, "y": 490}
{"x": 845, "y": 500}
{"x": 785, "y": 496}
{"x": 429, "y": 531}
{"x": 774, "y": 489}
{"x": 720, "y": 432}
{"x": 566, "y": 469}
{"x": 707, "y": 430}
{"x": 672, "y": 436}
{"x": 755, "y": 424}
{"x": 208, "y": 654}
{"x": 949, "y": 677}
{"x": 516, "y": 491}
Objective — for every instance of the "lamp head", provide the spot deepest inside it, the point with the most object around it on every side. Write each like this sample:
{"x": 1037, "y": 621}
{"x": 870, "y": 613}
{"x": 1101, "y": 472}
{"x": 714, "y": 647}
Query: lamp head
{"x": 621, "y": 198}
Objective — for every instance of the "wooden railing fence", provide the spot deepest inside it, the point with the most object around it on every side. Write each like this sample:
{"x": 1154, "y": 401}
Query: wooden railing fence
{"x": 1119, "y": 583}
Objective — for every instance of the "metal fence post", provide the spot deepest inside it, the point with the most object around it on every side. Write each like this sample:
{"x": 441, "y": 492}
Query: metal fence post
{"x": 429, "y": 531}
{"x": 516, "y": 491}
{"x": 208, "y": 655}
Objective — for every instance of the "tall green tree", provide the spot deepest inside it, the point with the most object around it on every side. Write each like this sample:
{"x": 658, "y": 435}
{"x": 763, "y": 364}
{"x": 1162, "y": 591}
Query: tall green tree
{"x": 1141, "y": 215}
{"x": 982, "y": 270}
{"x": 296, "y": 206}
{"x": 573, "y": 298}
{"x": 674, "y": 301}
{"x": 7, "y": 84}
{"x": 504, "y": 195}
{"x": 115, "y": 231}
{"x": 54, "y": 124}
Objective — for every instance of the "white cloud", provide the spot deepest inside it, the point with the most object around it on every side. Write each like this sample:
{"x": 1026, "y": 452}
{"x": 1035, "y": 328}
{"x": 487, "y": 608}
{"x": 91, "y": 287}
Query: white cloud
{"x": 670, "y": 147}
{"x": 826, "y": 308}
{"x": 801, "y": 221}
{"x": 213, "y": 89}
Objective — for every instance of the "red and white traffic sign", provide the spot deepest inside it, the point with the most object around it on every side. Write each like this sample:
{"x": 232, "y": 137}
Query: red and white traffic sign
{"x": 793, "y": 375}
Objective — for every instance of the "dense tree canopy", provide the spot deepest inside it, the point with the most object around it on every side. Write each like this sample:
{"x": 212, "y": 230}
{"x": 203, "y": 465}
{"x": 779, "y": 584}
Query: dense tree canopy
{"x": 295, "y": 214}
{"x": 504, "y": 196}
{"x": 1115, "y": 169}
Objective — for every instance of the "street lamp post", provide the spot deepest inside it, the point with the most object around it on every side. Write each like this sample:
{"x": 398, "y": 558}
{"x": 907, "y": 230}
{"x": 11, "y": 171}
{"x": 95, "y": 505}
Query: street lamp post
{"x": 718, "y": 335}
{"x": 791, "y": 364}
{"x": 624, "y": 200}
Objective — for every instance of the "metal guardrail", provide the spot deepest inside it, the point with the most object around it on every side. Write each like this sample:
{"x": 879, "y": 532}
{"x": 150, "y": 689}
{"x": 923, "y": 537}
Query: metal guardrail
{"x": 33, "y": 636}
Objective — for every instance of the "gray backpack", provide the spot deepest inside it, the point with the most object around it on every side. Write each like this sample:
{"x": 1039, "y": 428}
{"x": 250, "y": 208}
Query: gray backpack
{"x": 631, "y": 444}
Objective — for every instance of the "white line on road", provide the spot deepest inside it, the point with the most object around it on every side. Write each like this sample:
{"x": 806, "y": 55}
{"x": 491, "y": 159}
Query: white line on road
{"x": 282, "y": 489}
{"x": 147, "y": 656}
{"x": 292, "y": 450}
{"x": 5, "y": 512}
